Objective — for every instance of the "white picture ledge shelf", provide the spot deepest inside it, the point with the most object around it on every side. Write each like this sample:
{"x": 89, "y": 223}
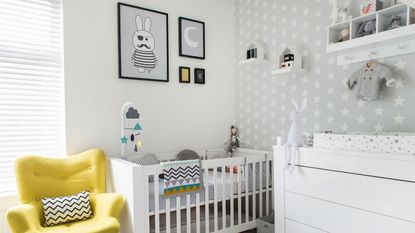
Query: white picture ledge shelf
{"x": 384, "y": 43}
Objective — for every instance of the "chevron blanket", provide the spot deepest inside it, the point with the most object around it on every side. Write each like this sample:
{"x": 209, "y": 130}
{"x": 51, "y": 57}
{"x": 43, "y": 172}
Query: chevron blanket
{"x": 181, "y": 177}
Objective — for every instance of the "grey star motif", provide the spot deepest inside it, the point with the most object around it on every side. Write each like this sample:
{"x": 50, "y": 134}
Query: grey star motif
{"x": 361, "y": 119}
{"x": 400, "y": 65}
{"x": 345, "y": 127}
{"x": 378, "y": 127}
{"x": 345, "y": 112}
{"x": 379, "y": 111}
{"x": 399, "y": 101}
{"x": 399, "y": 119}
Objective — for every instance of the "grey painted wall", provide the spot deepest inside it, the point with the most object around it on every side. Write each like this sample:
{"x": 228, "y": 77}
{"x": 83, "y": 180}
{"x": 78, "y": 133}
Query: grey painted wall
{"x": 264, "y": 100}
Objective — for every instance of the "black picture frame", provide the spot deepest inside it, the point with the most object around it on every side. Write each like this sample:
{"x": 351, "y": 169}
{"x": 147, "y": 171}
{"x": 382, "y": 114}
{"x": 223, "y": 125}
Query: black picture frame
{"x": 199, "y": 76}
{"x": 182, "y": 79}
{"x": 120, "y": 53}
{"x": 181, "y": 52}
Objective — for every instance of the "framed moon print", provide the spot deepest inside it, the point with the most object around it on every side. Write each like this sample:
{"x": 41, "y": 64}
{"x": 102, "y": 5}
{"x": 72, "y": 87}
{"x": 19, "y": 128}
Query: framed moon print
{"x": 143, "y": 44}
{"x": 191, "y": 38}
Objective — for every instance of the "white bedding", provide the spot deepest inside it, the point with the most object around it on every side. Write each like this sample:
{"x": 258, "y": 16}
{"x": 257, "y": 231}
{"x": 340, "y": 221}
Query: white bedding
{"x": 209, "y": 178}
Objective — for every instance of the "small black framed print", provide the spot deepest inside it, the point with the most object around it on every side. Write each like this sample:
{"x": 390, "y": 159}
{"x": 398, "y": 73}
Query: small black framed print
{"x": 191, "y": 38}
{"x": 199, "y": 76}
{"x": 184, "y": 74}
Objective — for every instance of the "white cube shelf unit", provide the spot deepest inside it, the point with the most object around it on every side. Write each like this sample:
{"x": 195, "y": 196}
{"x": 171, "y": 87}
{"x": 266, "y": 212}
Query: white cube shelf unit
{"x": 383, "y": 43}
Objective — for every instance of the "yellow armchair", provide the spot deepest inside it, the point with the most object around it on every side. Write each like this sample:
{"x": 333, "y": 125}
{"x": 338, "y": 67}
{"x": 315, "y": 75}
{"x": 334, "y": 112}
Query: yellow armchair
{"x": 39, "y": 177}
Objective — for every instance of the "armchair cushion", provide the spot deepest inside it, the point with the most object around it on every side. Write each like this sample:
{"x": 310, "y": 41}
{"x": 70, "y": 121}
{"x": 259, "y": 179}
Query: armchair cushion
{"x": 65, "y": 209}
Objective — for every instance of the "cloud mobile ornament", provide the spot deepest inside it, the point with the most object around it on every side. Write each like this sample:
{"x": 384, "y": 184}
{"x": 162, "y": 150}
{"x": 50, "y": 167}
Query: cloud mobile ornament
{"x": 131, "y": 130}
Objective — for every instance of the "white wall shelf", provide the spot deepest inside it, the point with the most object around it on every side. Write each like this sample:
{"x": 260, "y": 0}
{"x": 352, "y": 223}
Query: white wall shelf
{"x": 383, "y": 43}
{"x": 259, "y": 56}
{"x": 284, "y": 67}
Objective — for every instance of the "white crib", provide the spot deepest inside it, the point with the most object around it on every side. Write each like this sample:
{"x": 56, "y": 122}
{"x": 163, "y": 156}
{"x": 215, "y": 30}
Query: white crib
{"x": 230, "y": 201}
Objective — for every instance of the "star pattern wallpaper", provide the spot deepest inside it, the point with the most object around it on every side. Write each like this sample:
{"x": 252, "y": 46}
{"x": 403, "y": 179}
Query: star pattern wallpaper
{"x": 264, "y": 99}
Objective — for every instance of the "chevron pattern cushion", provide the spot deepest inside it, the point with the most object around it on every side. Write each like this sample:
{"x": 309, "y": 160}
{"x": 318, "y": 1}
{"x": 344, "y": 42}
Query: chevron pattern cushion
{"x": 59, "y": 210}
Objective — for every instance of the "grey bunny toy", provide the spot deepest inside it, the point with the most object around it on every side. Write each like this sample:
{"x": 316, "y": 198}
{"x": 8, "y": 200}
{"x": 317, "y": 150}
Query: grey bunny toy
{"x": 366, "y": 28}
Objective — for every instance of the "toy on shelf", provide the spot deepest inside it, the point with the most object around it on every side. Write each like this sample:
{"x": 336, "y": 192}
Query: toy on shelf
{"x": 366, "y": 28}
{"x": 394, "y": 22}
{"x": 254, "y": 53}
{"x": 344, "y": 35}
{"x": 370, "y": 6}
{"x": 131, "y": 130}
{"x": 288, "y": 61}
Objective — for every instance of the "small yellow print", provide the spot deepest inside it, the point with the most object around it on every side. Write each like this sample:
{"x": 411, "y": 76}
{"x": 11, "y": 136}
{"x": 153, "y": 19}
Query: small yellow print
{"x": 185, "y": 75}
{"x": 139, "y": 144}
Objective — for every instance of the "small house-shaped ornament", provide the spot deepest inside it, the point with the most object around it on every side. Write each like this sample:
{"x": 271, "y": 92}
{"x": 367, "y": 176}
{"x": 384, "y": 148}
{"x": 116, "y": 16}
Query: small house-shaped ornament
{"x": 254, "y": 53}
{"x": 289, "y": 60}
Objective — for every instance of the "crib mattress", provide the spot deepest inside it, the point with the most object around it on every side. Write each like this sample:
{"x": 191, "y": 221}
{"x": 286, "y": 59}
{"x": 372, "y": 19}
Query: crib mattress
{"x": 210, "y": 179}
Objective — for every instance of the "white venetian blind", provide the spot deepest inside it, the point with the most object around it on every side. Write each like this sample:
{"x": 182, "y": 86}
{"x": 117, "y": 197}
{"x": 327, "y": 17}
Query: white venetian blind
{"x": 31, "y": 83}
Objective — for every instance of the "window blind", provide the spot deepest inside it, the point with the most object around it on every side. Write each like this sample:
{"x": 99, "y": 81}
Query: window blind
{"x": 31, "y": 83}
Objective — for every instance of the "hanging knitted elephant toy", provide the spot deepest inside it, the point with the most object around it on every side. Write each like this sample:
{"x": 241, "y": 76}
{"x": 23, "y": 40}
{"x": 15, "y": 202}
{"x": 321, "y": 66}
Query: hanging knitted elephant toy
{"x": 295, "y": 137}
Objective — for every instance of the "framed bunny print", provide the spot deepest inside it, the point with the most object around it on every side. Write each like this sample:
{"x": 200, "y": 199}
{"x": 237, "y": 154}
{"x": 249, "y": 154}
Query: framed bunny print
{"x": 143, "y": 44}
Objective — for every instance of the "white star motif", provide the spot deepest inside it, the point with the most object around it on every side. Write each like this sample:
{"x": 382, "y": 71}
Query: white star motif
{"x": 361, "y": 119}
{"x": 345, "y": 112}
{"x": 345, "y": 127}
{"x": 400, "y": 65}
{"x": 318, "y": 28}
{"x": 345, "y": 96}
{"x": 330, "y": 91}
{"x": 316, "y": 127}
{"x": 330, "y": 120}
{"x": 399, "y": 119}
{"x": 331, "y": 61}
{"x": 304, "y": 120}
{"x": 378, "y": 127}
{"x": 317, "y": 85}
{"x": 330, "y": 76}
{"x": 399, "y": 83}
{"x": 330, "y": 105}
{"x": 317, "y": 113}
{"x": 317, "y": 99}
{"x": 361, "y": 104}
{"x": 399, "y": 101}
{"x": 379, "y": 111}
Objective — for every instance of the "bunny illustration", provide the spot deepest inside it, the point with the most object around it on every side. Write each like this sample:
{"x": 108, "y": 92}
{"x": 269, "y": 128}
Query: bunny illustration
{"x": 143, "y": 41}
{"x": 295, "y": 137}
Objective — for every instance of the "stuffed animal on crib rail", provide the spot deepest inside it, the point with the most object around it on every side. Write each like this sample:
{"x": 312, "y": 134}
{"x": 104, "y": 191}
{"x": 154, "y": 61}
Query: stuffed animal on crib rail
{"x": 234, "y": 140}
{"x": 295, "y": 137}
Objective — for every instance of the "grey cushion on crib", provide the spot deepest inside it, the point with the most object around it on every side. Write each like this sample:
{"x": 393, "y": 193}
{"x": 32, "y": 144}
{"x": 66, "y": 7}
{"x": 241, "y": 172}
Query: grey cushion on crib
{"x": 187, "y": 155}
{"x": 148, "y": 159}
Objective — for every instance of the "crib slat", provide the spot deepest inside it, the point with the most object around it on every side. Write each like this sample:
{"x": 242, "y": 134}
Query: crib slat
{"x": 215, "y": 198}
{"x": 261, "y": 186}
{"x": 206, "y": 201}
{"x": 178, "y": 215}
{"x": 267, "y": 204}
{"x": 156, "y": 204}
{"x": 246, "y": 192}
{"x": 197, "y": 212}
{"x": 231, "y": 193}
{"x": 167, "y": 215}
{"x": 188, "y": 220}
{"x": 254, "y": 190}
{"x": 223, "y": 198}
{"x": 239, "y": 171}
